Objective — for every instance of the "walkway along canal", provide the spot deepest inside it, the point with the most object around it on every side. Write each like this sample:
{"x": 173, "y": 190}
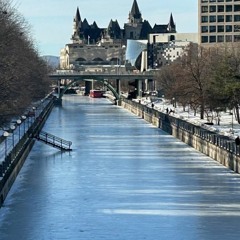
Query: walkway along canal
{"x": 18, "y": 141}
{"x": 124, "y": 179}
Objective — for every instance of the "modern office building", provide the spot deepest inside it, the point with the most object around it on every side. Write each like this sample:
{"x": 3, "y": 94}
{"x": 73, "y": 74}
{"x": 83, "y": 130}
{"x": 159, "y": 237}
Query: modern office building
{"x": 219, "y": 21}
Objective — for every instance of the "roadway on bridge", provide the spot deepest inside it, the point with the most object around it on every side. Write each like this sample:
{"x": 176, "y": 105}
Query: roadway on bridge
{"x": 123, "y": 180}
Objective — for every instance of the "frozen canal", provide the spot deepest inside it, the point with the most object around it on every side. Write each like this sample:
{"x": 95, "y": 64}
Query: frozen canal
{"x": 123, "y": 180}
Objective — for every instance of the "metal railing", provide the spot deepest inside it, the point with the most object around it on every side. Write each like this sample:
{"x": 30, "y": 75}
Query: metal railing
{"x": 54, "y": 141}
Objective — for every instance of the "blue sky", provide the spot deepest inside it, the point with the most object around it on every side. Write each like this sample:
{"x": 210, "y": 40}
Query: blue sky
{"x": 51, "y": 21}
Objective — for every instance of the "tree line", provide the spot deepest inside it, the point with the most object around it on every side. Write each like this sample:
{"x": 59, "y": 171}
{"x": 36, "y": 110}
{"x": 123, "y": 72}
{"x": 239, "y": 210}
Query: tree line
{"x": 206, "y": 80}
{"x": 23, "y": 73}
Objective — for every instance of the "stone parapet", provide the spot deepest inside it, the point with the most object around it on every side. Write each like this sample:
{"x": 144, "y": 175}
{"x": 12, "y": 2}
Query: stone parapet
{"x": 218, "y": 147}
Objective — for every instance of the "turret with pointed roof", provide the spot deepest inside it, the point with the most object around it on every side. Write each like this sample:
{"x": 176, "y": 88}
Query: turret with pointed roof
{"x": 76, "y": 26}
{"x": 135, "y": 15}
{"x": 171, "y": 25}
{"x": 136, "y": 28}
{"x": 114, "y": 31}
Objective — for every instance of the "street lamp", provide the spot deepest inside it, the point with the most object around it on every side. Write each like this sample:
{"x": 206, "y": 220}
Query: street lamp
{"x": 6, "y": 134}
{"x": 41, "y": 105}
{"x": 174, "y": 103}
{"x": 19, "y": 127}
{"x": 34, "y": 112}
{"x": 12, "y": 128}
{"x": 23, "y": 119}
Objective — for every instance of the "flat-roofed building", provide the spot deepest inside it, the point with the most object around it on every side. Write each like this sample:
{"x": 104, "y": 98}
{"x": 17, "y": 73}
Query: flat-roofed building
{"x": 165, "y": 48}
{"x": 219, "y": 21}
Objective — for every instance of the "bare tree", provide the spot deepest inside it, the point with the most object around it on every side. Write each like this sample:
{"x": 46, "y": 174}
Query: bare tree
{"x": 24, "y": 75}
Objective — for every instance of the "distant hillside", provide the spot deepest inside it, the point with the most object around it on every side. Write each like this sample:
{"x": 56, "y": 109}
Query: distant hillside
{"x": 52, "y": 60}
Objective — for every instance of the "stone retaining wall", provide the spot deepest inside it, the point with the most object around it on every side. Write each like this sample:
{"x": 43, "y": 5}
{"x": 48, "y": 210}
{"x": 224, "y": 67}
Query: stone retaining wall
{"x": 217, "y": 147}
{"x": 14, "y": 162}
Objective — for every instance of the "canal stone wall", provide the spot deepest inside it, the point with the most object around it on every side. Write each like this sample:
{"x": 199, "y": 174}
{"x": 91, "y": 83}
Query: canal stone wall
{"x": 218, "y": 147}
{"x": 16, "y": 158}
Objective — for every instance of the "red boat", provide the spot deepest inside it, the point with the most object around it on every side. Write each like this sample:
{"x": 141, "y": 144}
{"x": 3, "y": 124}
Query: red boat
{"x": 96, "y": 93}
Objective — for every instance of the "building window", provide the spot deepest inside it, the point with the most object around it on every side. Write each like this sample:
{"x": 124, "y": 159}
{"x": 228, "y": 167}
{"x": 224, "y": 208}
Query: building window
{"x": 220, "y": 28}
{"x": 204, "y": 29}
{"x": 212, "y": 29}
{"x": 236, "y": 28}
{"x": 204, "y": 9}
{"x": 204, "y": 19}
{"x": 204, "y": 39}
{"x": 220, "y": 18}
{"x": 228, "y": 28}
{"x": 236, "y": 38}
{"x": 229, "y": 38}
{"x": 236, "y": 8}
{"x": 229, "y": 18}
{"x": 220, "y": 38}
{"x": 212, "y": 39}
{"x": 212, "y": 19}
{"x": 212, "y": 8}
{"x": 229, "y": 8}
{"x": 236, "y": 18}
{"x": 220, "y": 8}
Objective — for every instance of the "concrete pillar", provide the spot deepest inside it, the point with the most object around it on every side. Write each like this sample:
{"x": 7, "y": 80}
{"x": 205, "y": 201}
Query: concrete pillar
{"x": 146, "y": 85}
{"x": 118, "y": 84}
{"x": 88, "y": 87}
{"x": 59, "y": 89}
{"x": 139, "y": 89}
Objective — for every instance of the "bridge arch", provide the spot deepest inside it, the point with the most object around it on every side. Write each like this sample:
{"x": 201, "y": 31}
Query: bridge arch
{"x": 105, "y": 83}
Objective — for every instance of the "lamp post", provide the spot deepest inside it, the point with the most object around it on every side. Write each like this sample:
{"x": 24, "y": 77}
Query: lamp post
{"x": 174, "y": 103}
{"x": 23, "y": 119}
{"x": 6, "y": 134}
{"x": 19, "y": 128}
{"x": 13, "y": 128}
{"x": 34, "y": 112}
{"x": 41, "y": 105}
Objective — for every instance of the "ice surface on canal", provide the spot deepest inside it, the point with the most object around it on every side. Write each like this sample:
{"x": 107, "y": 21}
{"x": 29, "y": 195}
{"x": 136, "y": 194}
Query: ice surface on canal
{"x": 123, "y": 180}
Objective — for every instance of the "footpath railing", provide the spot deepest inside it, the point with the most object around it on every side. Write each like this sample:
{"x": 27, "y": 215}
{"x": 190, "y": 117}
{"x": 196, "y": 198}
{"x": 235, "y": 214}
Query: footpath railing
{"x": 18, "y": 141}
{"x": 168, "y": 122}
{"x": 13, "y": 145}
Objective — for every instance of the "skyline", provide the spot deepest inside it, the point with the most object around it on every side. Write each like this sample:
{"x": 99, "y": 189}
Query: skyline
{"x": 52, "y": 22}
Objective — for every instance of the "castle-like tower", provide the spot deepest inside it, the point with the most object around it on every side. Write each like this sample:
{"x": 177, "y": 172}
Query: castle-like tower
{"x": 136, "y": 28}
{"x": 94, "y": 46}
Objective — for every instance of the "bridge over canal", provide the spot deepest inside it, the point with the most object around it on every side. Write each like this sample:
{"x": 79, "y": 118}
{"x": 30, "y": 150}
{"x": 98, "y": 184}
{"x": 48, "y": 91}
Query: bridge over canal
{"x": 143, "y": 81}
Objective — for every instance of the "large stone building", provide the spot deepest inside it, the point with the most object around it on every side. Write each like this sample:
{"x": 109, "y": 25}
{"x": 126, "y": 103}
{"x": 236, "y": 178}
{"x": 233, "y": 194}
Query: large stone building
{"x": 93, "y": 46}
{"x": 219, "y": 21}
